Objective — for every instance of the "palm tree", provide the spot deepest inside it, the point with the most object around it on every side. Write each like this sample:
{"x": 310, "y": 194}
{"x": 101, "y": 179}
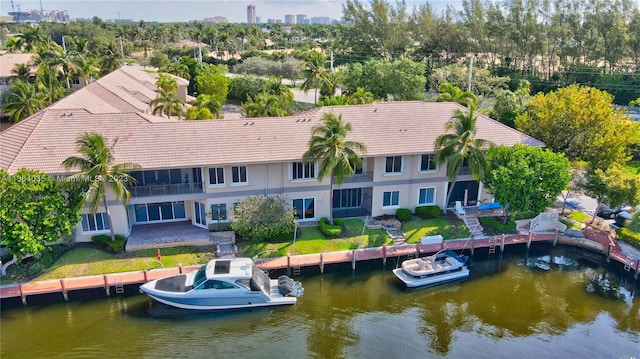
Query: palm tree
{"x": 336, "y": 156}
{"x": 360, "y": 97}
{"x": 110, "y": 59}
{"x": 315, "y": 73}
{"x": 452, "y": 93}
{"x": 166, "y": 101}
{"x": 22, "y": 72}
{"x": 49, "y": 84}
{"x": 98, "y": 173}
{"x": 23, "y": 100}
{"x": 454, "y": 148}
{"x": 30, "y": 39}
{"x": 264, "y": 105}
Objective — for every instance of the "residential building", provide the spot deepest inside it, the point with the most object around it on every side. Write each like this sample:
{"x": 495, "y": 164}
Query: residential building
{"x": 301, "y": 19}
{"x": 289, "y": 19}
{"x": 216, "y": 19}
{"x": 8, "y": 63}
{"x": 196, "y": 171}
{"x": 251, "y": 14}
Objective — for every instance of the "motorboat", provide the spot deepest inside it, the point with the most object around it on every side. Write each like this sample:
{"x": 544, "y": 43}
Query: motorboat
{"x": 443, "y": 266}
{"x": 224, "y": 284}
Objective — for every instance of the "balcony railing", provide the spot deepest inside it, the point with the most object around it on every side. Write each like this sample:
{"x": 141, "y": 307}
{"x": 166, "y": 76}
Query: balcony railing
{"x": 361, "y": 177}
{"x": 165, "y": 189}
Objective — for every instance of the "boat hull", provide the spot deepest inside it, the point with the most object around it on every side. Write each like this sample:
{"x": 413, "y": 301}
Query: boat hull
{"x": 208, "y": 305}
{"x": 431, "y": 280}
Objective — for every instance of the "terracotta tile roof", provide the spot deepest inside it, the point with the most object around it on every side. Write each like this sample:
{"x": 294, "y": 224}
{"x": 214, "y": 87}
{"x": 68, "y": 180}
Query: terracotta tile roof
{"x": 43, "y": 141}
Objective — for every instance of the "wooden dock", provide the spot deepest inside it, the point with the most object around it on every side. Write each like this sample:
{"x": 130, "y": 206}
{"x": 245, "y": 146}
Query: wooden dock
{"x": 594, "y": 241}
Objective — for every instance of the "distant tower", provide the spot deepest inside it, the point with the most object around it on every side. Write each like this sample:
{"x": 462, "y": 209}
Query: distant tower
{"x": 289, "y": 19}
{"x": 251, "y": 14}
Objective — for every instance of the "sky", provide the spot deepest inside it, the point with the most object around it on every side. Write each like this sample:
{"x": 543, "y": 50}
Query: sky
{"x": 187, "y": 10}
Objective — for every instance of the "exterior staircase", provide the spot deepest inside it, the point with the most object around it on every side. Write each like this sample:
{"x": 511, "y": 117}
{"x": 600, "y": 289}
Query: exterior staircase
{"x": 473, "y": 224}
{"x": 225, "y": 243}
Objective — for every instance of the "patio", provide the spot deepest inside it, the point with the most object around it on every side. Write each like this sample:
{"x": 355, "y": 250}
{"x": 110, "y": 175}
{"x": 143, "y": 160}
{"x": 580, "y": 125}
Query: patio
{"x": 164, "y": 235}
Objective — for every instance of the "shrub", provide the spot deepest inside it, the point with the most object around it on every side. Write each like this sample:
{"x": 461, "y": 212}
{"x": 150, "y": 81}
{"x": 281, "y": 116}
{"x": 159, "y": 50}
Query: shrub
{"x": 328, "y": 229}
{"x": 219, "y": 227}
{"x": 629, "y": 236}
{"x": 428, "y": 212}
{"x": 403, "y": 214}
{"x": 264, "y": 218}
{"x": 337, "y": 221}
{"x": 105, "y": 241}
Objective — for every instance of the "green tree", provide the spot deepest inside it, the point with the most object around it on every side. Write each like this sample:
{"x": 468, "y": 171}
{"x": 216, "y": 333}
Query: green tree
{"x": 264, "y": 105}
{"x": 23, "y": 100}
{"x": 527, "y": 179}
{"x": 216, "y": 84}
{"x": 335, "y": 155}
{"x": 612, "y": 186}
{"x": 264, "y": 218}
{"x": 582, "y": 123}
{"x": 315, "y": 73}
{"x": 401, "y": 79}
{"x": 511, "y": 103}
{"x": 452, "y": 93}
{"x": 461, "y": 145}
{"x": 166, "y": 101}
{"x": 360, "y": 97}
{"x": 98, "y": 173}
{"x": 33, "y": 211}
{"x": 205, "y": 107}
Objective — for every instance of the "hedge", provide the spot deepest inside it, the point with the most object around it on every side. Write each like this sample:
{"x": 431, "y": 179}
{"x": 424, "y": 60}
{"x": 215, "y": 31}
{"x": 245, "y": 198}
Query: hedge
{"x": 105, "y": 241}
{"x": 403, "y": 214}
{"x": 629, "y": 236}
{"x": 428, "y": 212}
{"x": 328, "y": 229}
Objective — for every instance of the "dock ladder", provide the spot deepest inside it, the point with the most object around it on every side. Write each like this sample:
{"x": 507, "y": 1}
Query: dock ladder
{"x": 119, "y": 285}
{"x": 492, "y": 246}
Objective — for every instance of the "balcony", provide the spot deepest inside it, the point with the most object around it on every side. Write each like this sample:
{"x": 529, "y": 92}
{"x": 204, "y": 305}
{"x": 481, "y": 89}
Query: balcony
{"x": 165, "y": 189}
{"x": 360, "y": 177}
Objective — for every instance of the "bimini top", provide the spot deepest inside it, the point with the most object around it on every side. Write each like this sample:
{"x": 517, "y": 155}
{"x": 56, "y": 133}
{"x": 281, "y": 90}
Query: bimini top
{"x": 238, "y": 268}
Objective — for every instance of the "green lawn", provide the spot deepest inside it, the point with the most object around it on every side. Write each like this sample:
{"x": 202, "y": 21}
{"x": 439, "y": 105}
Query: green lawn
{"x": 580, "y": 217}
{"x": 414, "y": 230}
{"x": 83, "y": 261}
{"x": 311, "y": 240}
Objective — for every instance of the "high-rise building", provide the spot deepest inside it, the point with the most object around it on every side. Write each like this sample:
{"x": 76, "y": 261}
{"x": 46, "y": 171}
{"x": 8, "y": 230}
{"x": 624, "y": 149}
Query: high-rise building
{"x": 301, "y": 19}
{"x": 251, "y": 14}
{"x": 289, "y": 19}
{"x": 258, "y": 20}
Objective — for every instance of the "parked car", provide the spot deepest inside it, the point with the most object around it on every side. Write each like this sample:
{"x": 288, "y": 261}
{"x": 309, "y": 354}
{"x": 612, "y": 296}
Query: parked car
{"x": 610, "y": 213}
{"x": 622, "y": 219}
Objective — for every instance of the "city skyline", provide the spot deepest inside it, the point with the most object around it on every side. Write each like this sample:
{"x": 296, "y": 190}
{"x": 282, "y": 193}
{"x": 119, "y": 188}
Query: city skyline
{"x": 190, "y": 10}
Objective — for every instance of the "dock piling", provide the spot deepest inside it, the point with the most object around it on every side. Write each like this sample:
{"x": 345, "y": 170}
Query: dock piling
{"x": 608, "y": 252}
{"x": 384, "y": 255}
{"x": 64, "y": 291}
{"x": 529, "y": 240}
{"x": 321, "y": 264}
{"x": 106, "y": 284}
{"x": 502, "y": 244}
{"x": 353, "y": 260}
{"x": 555, "y": 237}
{"x": 635, "y": 276}
{"x": 22, "y": 295}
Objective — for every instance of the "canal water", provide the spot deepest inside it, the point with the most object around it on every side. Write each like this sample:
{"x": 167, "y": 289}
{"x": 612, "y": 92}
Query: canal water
{"x": 545, "y": 303}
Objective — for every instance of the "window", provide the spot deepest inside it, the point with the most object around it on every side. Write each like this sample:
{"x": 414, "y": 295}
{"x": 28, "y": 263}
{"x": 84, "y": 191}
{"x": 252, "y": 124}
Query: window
{"x": 393, "y": 164}
{"x": 428, "y": 163}
{"x": 216, "y": 176}
{"x": 301, "y": 170}
{"x": 239, "y": 174}
{"x": 164, "y": 211}
{"x": 305, "y": 208}
{"x": 95, "y": 222}
{"x": 219, "y": 212}
{"x": 427, "y": 196}
{"x": 390, "y": 199}
{"x": 201, "y": 217}
{"x": 347, "y": 198}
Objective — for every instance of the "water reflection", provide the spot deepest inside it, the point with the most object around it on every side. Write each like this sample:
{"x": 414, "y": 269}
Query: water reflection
{"x": 551, "y": 303}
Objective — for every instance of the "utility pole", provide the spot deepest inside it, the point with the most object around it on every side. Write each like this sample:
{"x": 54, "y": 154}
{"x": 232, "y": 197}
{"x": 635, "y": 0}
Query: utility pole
{"x": 122, "y": 51}
{"x": 470, "y": 72}
{"x": 331, "y": 60}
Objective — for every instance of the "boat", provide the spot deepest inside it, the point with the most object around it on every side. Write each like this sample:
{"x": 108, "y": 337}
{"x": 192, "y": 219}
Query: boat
{"x": 443, "y": 266}
{"x": 224, "y": 284}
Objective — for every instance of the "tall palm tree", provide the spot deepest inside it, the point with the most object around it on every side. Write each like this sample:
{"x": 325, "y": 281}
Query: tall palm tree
{"x": 23, "y": 100}
{"x": 110, "y": 59}
{"x": 30, "y": 39}
{"x": 22, "y": 72}
{"x": 49, "y": 84}
{"x": 452, "y": 93}
{"x": 360, "y": 97}
{"x": 98, "y": 173}
{"x": 454, "y": 148}
{"x": 337, "y": 157}
{"x": 316, "y": 73}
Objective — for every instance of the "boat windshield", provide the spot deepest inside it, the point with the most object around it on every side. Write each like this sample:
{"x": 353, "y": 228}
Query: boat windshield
{"x": 261, "y": 279}
{"x": 200, "y": 277}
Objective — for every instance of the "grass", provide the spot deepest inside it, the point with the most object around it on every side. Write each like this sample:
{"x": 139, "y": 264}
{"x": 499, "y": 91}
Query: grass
{"x": 497, "y": 224}
{"x": 414, "y": 230}
{"x": 311, "y": 240}
{"x": 579, "y": 217}
{"x": 83, "y": 261}
{"x": 570, "y": 224}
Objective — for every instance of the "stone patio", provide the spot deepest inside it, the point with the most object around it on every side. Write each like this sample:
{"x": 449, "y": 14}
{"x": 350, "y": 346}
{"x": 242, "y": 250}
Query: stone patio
{"x": 164, "y": 235}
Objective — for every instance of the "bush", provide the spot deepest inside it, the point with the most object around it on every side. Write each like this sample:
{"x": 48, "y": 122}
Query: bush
{"x": 629, "y": 236}
{"x": 403, "y": 214}
{"x": 428, "y": 212}
{"x": 337, "y": 221}
{"x": 219, "y": 227}
{"x": 328, "y": 229}
{"x": 104, "y": 241}
{"x": 264, "y": 218}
